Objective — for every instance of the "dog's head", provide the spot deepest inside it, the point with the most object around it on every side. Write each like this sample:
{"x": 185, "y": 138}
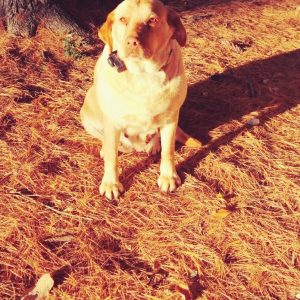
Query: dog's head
{"x": 141, "y": 28}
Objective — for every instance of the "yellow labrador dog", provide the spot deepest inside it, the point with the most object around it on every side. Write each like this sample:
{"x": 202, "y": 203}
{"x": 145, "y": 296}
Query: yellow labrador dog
{"x": 139, "y": 87}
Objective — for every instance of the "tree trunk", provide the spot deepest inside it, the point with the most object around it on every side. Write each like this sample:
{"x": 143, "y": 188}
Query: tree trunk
{"x": 23, "y": 17}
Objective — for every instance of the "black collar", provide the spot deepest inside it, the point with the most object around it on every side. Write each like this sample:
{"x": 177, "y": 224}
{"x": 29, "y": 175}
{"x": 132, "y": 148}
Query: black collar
{"x": 116, "y": 62}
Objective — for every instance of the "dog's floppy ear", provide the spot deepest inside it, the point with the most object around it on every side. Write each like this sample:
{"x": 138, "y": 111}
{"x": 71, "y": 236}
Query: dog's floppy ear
{"x": 105, "y": 33}
{"x": 179, "y": 32}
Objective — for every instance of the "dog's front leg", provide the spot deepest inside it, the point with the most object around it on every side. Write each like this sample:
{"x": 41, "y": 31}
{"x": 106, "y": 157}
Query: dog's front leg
{"x": 168, "y": 179}
{"x": 110, "y": 185}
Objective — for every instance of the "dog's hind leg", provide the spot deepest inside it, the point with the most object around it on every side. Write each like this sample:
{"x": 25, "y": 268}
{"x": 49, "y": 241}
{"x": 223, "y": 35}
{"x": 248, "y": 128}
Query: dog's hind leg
{"x": 91, "y": 116}
{"x": 185, "y": 139}
{"x": 153, "y": 146}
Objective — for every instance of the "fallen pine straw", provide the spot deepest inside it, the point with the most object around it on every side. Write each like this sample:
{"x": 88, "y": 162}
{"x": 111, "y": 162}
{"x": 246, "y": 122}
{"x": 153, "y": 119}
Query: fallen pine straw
{"x": 231, "y": 231}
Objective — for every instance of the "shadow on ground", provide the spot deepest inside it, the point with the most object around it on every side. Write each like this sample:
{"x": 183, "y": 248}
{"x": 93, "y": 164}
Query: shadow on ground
{"x": 264, "y": 86}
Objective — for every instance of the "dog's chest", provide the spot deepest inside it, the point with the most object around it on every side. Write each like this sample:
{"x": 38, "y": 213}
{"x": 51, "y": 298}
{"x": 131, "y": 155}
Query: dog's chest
{"x": 143, "y": 103}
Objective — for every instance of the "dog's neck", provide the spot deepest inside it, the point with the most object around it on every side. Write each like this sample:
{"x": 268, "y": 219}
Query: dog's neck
{"x": 157, "y": 63}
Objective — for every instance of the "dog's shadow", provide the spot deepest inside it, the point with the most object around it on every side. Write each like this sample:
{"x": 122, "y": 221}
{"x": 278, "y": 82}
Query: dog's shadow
{"x": 268, "y": 87}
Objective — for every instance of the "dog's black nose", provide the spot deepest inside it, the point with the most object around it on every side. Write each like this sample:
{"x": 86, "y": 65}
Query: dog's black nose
{"x": 132, "y": 42}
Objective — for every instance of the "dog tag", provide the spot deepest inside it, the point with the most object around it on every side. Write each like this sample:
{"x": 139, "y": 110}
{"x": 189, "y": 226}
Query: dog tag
{"x": 115, "y": 62}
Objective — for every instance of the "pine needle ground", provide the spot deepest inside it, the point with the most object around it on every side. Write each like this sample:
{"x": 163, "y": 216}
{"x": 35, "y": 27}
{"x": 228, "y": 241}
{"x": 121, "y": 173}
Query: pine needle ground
{"x": 231, "y": 231}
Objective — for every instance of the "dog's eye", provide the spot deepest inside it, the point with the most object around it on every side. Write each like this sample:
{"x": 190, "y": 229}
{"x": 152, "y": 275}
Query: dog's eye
{"x": 123, "y": 20}
{"x": 152, "y": 22}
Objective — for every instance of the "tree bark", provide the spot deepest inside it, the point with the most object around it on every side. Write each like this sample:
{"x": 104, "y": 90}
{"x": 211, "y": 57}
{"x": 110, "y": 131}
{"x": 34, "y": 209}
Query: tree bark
{"x": 23, "y": 16}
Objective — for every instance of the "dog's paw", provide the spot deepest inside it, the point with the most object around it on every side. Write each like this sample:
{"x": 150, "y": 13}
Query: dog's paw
{"x": 169, "y": 183}
{"x": 111, "y": 190}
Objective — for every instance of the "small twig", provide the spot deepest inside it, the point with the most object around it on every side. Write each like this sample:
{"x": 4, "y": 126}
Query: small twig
{"x": 57, "y": 211}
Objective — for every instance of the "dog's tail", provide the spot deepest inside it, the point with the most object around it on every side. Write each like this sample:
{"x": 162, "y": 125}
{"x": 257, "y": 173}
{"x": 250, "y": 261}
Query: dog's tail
{"x": 185, "y": 139}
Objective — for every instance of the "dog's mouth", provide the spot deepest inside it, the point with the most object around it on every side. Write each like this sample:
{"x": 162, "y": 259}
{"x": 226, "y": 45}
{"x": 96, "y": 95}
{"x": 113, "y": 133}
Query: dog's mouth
{"x": 132, "y": 56}
{"x": 140, "y": 53}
